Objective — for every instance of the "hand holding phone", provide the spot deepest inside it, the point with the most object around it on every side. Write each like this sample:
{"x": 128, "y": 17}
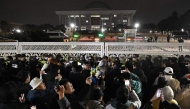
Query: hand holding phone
{"x": 22, "y": 96}
{"x": 158, "y": 93}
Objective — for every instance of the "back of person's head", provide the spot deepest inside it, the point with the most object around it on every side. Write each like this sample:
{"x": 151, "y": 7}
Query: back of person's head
{"x": 63, "y": 82}
{"x": 184, "y": 82}
{"x": 74, "y": 64}
{"x": 122, "y": 94}
{"x": 173, "y": 60}
{"x": 105, "y": 57}
{"x": 23, "y": 75}
{"x": 9, "y": 93}
{"x": 129, "y": 65}
{"x": 117, "y": 65}
{"x": 78, "y": 68}
{"x": 162, "y": 82}
{"x": 55, "y": 67}
{"x": 96, "y": 94}
{"x": 168, "y": 71}
{"x": 137, "y": 64}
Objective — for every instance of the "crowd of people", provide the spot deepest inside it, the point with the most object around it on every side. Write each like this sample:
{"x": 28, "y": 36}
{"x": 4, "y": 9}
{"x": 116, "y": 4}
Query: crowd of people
{"x": 94, "y": 82}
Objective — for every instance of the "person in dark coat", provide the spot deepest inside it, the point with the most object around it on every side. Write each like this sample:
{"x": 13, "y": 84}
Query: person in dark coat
{"x": 23, "y": 82}
{"x": 137, "y": 70}
{"x": 78, "y": 79}
{"x": 113, "y": 81}
{"x": 156, "y": 38}
{"x": 181, "y": 41}
{"x": 10, "y": 97}
{"x": 40, "y": 97}
{"x": 51, "y": 74}
{"x": 69, "y": 90}
{"x": 168, "y": 38}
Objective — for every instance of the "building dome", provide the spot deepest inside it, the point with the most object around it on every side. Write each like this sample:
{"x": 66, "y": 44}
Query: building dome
{"x": 97, "y": 5}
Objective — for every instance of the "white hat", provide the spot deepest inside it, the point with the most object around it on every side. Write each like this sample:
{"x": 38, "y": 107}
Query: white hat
{"x": 168, "y": 70}
{"x": 35, "y": 82}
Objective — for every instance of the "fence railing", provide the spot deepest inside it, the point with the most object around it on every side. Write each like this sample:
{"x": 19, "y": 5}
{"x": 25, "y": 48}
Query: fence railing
{"x": 95, "y": 48}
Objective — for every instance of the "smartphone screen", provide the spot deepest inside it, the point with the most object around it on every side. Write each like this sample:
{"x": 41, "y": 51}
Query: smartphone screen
{"x": 127, "y": 82}
{"x": 158, "y": 93}
{"x": 22, "y": 97}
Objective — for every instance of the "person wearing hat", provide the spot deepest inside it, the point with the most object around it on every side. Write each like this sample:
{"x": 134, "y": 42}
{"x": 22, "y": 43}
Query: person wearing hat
{"x": 167, "y": 92}
{"x": 40, "y": 97}
{"x": 122, "y": 101}
{"x": 172, "y": 82}
{"x": 164, "y": 104}
{"x": 183, "y": 96}
{"x": 95, "y": 101}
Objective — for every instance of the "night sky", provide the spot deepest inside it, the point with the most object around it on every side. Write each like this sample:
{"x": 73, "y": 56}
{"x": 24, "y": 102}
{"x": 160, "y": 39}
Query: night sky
{"x": 43, "y": 11}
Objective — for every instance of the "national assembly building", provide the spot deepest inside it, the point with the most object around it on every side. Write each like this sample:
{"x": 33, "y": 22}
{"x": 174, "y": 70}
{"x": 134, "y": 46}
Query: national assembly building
{"x": 96, "y": 16}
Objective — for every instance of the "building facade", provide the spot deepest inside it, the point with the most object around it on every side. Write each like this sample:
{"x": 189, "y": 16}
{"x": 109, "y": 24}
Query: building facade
{"x": 96, "y": 16}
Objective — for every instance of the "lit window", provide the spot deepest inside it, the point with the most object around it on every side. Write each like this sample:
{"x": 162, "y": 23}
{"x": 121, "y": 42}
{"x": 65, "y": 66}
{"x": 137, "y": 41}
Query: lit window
{"x": 95, "y": 15}
{"x": 82, "y": 15}
{"x": 105, "y": 18}
{"x": 104, "y": 23}
{"x": 124, "y": 20}
{"x": 76, "y": 15}
{"x": 112, "y": 23}
{"x": 86, "y": 21}
{"x": 115, "y": 15}
{"x": 83, "y": 28}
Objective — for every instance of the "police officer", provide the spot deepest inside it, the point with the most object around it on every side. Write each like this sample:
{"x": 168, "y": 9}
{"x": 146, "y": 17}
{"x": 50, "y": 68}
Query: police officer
{"x": 180, "y": 41}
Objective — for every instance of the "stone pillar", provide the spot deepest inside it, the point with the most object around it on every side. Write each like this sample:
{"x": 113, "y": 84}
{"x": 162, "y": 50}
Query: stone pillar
{"x": 69, "y": 21}
{"x": 79, "y": 22}
{"x": 121, "y": 19}
{"x": 90, "y": 22}
{"x": 63, "y": 19}
{"x": 101, "y": 22}
{"x": 131, "y": 20}
{"x": 59, "y": 19}
{"x": 111, "y": 21}
{"x": 128, "y": 20}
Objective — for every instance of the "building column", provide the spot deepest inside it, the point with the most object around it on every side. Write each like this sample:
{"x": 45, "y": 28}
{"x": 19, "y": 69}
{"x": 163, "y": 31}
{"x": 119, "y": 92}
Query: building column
{"x": 63, "y": 19}
{"x": 69, "y": 21}
{"x": 131, "y": 20}
{"x": 90, "y": 22}
{"x": 121, "y": 19}
{"x": 79, "y": 22}
{"x": 101, "y": 25}
{"x": 59, "y": 19}
{"x": 111, "y": 22}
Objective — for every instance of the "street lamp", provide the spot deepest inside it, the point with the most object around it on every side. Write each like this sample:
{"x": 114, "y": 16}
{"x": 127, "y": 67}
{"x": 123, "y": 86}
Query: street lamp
{"x": 18, "y": 30}
{"x": 182, "y": 30}
{"x": 136, "y": 26}
{"x": 72, "y": 25}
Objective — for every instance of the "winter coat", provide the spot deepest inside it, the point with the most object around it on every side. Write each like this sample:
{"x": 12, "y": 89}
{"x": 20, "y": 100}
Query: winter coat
{"x": 183, "y": 98}
{"x": 81, "y": 96}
